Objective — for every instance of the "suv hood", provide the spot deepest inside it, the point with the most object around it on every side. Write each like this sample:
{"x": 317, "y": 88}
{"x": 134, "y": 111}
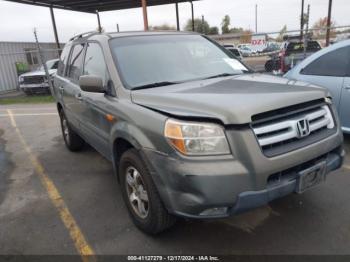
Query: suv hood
{"x": 233, "y": 100}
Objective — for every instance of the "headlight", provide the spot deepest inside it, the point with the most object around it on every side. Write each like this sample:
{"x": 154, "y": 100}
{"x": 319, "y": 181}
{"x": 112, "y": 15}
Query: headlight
{"x": 21, "y": 79}
{"x": 192, "y": 138}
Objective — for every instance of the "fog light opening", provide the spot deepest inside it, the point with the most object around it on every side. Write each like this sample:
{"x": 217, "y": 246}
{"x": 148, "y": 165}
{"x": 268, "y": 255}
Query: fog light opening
{"x": 216, "y": 211}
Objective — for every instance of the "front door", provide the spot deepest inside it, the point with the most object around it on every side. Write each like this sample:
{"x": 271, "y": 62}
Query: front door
{"x": 99, "y": 120}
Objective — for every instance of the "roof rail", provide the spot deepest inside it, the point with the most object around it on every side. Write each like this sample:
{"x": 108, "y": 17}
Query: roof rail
{"x": 83, "y": 34}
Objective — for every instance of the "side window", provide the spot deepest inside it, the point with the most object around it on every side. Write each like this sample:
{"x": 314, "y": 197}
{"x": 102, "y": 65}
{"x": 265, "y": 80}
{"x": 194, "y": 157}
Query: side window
{"x": 334, "y": 63}
{"x": 63, "y": 60}
{"x": 94, "y": 63}
{"x": 75, "y": 63}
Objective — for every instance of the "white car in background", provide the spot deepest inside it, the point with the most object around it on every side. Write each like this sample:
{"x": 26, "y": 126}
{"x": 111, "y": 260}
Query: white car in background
{"x": 36, "y": 81}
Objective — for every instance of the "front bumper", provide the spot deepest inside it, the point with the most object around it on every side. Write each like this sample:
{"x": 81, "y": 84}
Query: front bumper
{"x": 35, "y": 88}
{"x": 189, "y": 186}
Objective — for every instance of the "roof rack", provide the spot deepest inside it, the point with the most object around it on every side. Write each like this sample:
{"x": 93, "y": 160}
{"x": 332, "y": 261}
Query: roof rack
{"x": 83, "y": 34}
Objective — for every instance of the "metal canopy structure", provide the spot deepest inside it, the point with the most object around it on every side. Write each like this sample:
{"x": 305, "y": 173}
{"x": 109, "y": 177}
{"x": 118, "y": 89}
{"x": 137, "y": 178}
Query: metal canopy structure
{"x": 93, "y": 6}
{"x": 96, "y": 6}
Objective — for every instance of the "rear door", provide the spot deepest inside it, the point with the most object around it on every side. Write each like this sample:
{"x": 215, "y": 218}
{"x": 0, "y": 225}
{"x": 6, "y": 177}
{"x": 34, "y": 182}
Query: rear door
{"x": 72, "y": 94}
{"x": 59, "y": 79}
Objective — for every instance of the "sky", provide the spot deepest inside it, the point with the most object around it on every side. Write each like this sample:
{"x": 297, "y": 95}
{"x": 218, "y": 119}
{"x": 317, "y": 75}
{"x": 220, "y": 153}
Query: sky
{"x": 18, "y": 20}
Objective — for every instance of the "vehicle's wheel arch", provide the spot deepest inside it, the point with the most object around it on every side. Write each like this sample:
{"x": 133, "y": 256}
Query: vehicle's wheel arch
{"x": 126, "y": 136}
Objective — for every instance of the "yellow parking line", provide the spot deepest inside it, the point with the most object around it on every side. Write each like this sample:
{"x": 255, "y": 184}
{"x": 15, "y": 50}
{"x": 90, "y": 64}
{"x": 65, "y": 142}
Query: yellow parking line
{"x": 68, "y": 220}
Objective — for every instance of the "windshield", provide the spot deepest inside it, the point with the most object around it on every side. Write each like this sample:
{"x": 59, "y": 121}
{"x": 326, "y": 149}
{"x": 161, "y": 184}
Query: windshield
{"x": 51, "y": 64}
{"x": 154, "y": 59}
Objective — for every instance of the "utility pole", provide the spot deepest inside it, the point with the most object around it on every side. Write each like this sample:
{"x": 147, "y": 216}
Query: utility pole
{"x": 302, "y": 20}
{"x": 306, "y": 30}
{"x": 192, "y": 11}
{"x": 118, "y": 28}
{"x": 42, "y": 60}
{"x": 256, "y": 18}
{"x": 329, "y": 22}
{"x": 203, "y": 24}
{"x": 177, "y": 16}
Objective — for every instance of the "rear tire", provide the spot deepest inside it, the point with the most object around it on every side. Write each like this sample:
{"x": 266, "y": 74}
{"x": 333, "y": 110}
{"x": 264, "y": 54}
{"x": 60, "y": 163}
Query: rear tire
{"x": 72, "y": 140}
{"x": 141, "y": 196}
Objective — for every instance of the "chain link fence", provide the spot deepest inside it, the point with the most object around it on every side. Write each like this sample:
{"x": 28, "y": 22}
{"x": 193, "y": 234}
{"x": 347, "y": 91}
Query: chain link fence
{"x": 17, "y": 58}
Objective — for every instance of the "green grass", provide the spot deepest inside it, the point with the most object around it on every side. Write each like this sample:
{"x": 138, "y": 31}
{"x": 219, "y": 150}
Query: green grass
{"x": 39, "y": 99}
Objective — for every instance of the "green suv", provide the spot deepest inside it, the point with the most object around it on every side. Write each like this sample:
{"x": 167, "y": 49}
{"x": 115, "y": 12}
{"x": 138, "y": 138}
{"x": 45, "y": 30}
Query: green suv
{"x": 189, "y": 129}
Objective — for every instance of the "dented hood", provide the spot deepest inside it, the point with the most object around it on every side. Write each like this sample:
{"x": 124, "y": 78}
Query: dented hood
{"x": 233, "y": 100}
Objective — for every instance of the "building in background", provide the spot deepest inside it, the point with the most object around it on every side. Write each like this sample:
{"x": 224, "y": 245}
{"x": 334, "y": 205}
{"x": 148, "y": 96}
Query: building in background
{"x": 19, "y": 57}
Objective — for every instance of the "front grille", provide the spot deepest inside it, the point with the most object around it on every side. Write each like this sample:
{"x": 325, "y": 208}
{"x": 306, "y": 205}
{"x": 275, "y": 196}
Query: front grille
{"x": 33, "y": 79}
{"x": 287, "y": 130}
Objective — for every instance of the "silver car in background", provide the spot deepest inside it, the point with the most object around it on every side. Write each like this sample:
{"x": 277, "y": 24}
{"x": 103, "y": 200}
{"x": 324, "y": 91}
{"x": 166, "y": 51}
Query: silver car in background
{"x": 330, "y": 68}
{"x": 36, "y": 81}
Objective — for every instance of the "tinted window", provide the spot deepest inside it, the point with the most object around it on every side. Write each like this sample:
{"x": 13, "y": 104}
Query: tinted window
{"x": 95, "y": 63}
{"x": 144, "y": 60}
{"x": 55, "y": 65}
{"x": 334, "y": 63}
{"x": 76, "y": 61}
{"x": 63, "y": 60}
{"x": 312, "y": 46}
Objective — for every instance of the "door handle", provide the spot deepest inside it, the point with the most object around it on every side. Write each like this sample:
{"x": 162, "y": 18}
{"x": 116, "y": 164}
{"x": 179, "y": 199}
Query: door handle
{"x": 79, "y": 97}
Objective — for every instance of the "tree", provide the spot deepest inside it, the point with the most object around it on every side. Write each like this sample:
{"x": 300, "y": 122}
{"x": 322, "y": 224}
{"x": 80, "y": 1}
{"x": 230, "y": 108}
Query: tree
{"x": 321, "y": 28}
{"x": 214, "y": 30}
{"x": 282, "y": 33}
{"x": 198, "y": 26}
{"x": 236, "y": 30}
{"x": 225, "y": 24}
{"x": 163, "y": 27}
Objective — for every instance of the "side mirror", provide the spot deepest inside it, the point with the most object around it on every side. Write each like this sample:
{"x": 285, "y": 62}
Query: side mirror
{"x": 91, "y": 83}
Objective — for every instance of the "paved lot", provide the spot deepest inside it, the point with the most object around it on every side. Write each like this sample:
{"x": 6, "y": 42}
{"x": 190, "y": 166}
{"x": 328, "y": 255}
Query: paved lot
{"x": 31, "y": 221}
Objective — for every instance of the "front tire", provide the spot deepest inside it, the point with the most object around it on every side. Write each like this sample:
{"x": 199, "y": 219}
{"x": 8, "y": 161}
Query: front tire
{"x": 71, "y": 139}
{"x": 141, "y": 196}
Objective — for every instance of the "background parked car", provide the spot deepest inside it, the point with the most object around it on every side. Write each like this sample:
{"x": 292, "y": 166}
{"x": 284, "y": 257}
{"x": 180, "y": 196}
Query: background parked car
{"x": 329, "y": 68}
{"x": 292, "y": 53}
{"x": 36, "y": 81}
{"x": 246, "y": 51}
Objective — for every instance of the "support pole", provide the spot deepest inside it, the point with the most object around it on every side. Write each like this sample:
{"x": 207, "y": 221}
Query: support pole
{"x": 329, "y": 22}
{"x": 302, "y": 21}
{"x": 55, "y": 30}
{"x": 177, "y": 16}
{"x": 99, "y": 22}
{"x": 145, "y": 18}
{"x": 192, "y": 10}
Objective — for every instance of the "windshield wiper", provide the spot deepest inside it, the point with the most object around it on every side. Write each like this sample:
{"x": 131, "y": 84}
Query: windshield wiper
{"x": 220, "y": 75}
{"x": 157, "y": 84}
